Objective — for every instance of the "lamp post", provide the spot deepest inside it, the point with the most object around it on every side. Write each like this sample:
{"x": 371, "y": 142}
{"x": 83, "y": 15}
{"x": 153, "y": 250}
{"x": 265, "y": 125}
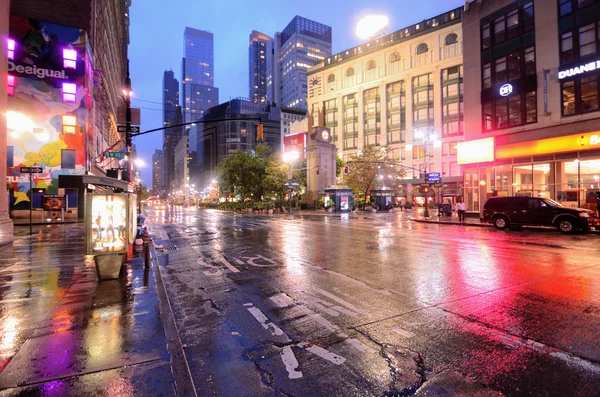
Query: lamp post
{"x": 127, "y": 93}
{"x": 290, "y": 157}
{"x": 426, "y": 137}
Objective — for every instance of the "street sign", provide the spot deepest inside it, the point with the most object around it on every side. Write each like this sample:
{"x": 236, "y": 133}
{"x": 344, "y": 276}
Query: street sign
{"x": 433, "y": 177}
{"x": 290, "y": 176}
{"x": 31, "y": 170}
{"x": 291, "y": 184}
{"x": 115, "y": 155}
{"x": 123, "y": 128}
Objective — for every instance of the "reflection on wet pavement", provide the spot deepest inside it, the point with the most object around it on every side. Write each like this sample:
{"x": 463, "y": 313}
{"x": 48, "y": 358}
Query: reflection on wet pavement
{"x": 63, "y": 333}
{"x": 470, "y": 310}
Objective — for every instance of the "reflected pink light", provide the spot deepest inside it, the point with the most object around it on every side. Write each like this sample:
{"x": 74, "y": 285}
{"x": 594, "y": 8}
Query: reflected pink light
{"x": 11, "y": 48}
{"x": 70, "y": 58}
{"x": 69, "y": 91}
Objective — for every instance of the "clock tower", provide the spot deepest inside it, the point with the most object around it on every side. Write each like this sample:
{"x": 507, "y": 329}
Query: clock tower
{"x": 320, "y": 155}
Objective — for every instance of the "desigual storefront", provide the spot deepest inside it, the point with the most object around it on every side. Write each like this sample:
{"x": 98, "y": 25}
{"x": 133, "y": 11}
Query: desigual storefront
{"x": 565, "y": 169}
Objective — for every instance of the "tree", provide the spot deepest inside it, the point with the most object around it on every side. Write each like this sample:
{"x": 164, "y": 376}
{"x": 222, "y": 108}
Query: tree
{"x": 372, "y": 168}
{"x": 339, "y": 166}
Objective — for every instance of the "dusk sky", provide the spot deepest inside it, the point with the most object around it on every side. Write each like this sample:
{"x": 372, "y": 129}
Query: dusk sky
{"x": 156, "y": 45}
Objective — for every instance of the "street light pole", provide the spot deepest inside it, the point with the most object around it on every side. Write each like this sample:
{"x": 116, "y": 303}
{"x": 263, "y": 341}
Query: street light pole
{"x": 128, "y": 138}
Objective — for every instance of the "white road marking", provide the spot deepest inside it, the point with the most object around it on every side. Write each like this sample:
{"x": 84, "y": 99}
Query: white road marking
{"x": 251, "y": 261}
{"x": 358, "y": 345}
{"x": 226, "y": 263}
{"x": 239, "y": 261}
{"x": 341, "y": 301}
{"x": 323, "y": 353}
{"x": 326, "y": 310}
{"x": 282, "y": 300}
{"x": 248, "y": 304}
{"x": 265, "y": 322}
{"x": 354, "y": 281}
{"x": 318, "y": 318}
{"x": 403, "y": 332}
{"x": 216, "y": 271}
{"x": 290, "y": 362}
{"x": 345, "y": 311}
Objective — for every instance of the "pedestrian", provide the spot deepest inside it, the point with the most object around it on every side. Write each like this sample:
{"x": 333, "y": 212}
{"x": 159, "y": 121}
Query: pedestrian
{"x": 461, "y": 208}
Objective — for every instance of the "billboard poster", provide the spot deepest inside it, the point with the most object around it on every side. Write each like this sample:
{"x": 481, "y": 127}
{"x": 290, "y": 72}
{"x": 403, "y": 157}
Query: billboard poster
{"x": 295, "y": 143}
{"x": 54, "y": 203}
{"x": 106, "y": 223}
{"x": 344, "y": 203}
{"x": 132, "y": 217}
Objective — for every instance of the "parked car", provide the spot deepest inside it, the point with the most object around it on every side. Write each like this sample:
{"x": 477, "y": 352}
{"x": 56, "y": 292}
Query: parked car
{"x": 504, "y": 212}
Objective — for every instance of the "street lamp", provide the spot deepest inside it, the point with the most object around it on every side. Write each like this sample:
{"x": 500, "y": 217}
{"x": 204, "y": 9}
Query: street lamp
{"x": 371, "y": 26}
{"x": 426, "y": 137}
{"x": 290, "y": 157}
{"x": 127, "y": 94}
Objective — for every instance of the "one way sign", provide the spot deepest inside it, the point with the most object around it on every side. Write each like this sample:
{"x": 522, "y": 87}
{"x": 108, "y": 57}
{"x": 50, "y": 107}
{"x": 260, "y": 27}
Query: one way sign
{"x": 123, "y": 128}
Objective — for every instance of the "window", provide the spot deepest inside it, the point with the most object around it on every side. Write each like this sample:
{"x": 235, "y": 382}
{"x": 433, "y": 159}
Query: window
{"x": 568, "y": 98}
{"x": 584, "y": 3}
{"x": 402, "y": 153}
{"x": 452, "y": 38}
{"x": 499, "y": 29}
{"x": 331, "y": 78}
{"x": 485, "y": 36}
{"x": 422, "y": 49}
{"x": 10, "y": 85}
{"x": 587, "y": 40}
{"x": 371, "y": 65}
{"x": 500, "y": 70}
{"x": 530, "y": 61}
{"x": 589, "y": 94}
{"x": 69, "y": 124}
{"x": 514, "y": 66}
{"x": 530, "y": 107}
{"x": 67, "y": 159}
{"x": 487, "y": 75}
{"x": 69, "y": 90}
{"x": 10, "y": 153}
{"x": 350, "y": 72}
{"x": 395, "y": 57}
{"x": 528, "y": 17}
{"x": 565, "y": 7}
{"x": 512, "y": 24}
{"x": 566, "y": 47}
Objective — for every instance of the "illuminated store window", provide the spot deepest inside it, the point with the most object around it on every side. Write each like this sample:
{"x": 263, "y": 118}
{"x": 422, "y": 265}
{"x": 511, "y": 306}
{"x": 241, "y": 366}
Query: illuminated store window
{"x": 69, "y": 91}
{"x": 67, "y": 159}
{"x": 70, "y": 59}
{"x": 69, "y": 122}
{"x": 11, "y": 48}
{"x": 11, "y": 85}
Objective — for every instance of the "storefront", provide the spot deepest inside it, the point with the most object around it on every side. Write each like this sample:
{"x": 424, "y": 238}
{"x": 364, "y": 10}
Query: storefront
{"x": 565, "y": 169}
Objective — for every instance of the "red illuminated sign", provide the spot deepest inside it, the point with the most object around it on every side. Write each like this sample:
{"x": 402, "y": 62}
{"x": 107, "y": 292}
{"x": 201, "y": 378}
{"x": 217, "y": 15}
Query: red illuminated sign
{"x": 295, "y": 142}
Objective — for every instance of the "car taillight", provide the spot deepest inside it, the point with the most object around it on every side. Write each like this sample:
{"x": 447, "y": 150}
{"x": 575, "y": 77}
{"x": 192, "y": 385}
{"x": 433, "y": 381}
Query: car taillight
{"x": 584, "y": 215}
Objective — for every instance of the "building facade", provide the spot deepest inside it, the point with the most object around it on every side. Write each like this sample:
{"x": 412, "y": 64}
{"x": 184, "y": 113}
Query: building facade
{"x": 532, "y": 102}
{"x": 211, "y": 141}
{"x": 198, "y": 92}
{"x": 6, "y": 225}
{"x": 181, "y": 177}
{"x": 402, "y": 91}
{"x": 301, "y": 44}
{"x": 172, "y": 115}
{"x": 157, "y": 172}
{"x": 259, "y": 56}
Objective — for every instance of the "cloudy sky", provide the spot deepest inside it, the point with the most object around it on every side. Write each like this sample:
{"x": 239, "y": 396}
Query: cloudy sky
{"x": 157, "y": 41}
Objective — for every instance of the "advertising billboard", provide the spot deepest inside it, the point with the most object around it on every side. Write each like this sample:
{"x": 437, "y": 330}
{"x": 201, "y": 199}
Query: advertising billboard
{"x": 54, "y": 203}
{"x": 106, "y": 223}
{"x": 295, "y": 143}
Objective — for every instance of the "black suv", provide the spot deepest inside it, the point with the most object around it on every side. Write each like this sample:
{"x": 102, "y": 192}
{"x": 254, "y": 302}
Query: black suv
{"x": 504, "y": 212}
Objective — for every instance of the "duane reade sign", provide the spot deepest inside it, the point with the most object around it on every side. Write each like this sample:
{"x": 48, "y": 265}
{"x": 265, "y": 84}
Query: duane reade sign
{"x": 588, "y": 67}
{"x": 506, "y": 90}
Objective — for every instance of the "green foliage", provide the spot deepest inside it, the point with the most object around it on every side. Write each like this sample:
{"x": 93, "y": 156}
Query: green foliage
{"x": 339, "y": 166}
{"x": 368, "y": 168}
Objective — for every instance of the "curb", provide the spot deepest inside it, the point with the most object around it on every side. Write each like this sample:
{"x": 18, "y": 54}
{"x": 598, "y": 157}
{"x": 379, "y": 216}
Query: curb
{"x": 180, "y": 368}
{"x": 449, "y": 223}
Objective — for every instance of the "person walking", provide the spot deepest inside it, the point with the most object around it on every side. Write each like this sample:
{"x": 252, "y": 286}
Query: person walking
{"x": 461, "y": 208}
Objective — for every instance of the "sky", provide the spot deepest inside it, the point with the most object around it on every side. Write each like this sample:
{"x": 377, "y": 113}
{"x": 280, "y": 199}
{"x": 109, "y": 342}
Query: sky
{"x": 156, "y": 42}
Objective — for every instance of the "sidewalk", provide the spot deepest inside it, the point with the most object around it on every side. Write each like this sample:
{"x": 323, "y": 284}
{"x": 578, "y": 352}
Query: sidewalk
{"x": 417, "y": 216}
{"x": 63, "y": 333}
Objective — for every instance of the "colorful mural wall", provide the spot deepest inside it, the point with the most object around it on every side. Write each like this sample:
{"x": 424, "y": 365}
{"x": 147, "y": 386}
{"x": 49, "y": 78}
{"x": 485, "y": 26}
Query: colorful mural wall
{"x": 49, "y": 102}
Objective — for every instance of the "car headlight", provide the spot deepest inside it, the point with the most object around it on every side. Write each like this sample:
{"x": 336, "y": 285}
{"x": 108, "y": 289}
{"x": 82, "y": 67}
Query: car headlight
{"x": 584, "y": 215}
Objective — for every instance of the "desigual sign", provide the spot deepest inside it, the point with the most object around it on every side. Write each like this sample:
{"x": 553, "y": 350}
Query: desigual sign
{"x": 40, "y": 73}
{"x": 571, "y": 72}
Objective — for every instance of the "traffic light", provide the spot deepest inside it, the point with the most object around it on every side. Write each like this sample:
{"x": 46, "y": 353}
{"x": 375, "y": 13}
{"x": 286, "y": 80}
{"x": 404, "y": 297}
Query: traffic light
{"x": 426, "y": 189}
{"x": 317, "y": 170}
{"x": 346, "y": 169}
{"x": 260, "y": 132}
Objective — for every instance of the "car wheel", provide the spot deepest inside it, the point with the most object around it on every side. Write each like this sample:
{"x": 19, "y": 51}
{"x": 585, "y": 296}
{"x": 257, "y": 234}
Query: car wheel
{"x": 565, "y": 226}
{"x": 501, "y": 222}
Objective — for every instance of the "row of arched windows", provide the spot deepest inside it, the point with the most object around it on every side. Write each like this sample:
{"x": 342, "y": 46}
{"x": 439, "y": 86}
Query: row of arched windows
{"x": 422, "y": 48}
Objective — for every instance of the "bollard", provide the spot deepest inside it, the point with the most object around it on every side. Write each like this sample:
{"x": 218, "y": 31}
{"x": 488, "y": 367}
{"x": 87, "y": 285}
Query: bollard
{"x": 147, "y": 252}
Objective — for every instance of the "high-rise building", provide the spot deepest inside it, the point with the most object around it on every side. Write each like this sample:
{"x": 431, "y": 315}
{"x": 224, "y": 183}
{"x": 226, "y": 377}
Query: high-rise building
{"x": 157, "y": 172}
{"x": 211, "y": 141}
{"x": 302, "y": 44}
{"x": 171, "y": 116}
{"x": 259, "y": 56}
{"x": 402, "y": 92}
{"x": 197, "y": 80}
{"x": 532, "y": 102}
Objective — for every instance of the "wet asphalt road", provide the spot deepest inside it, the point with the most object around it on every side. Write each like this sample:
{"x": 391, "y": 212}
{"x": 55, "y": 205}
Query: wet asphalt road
{"x": 377, "y": 305}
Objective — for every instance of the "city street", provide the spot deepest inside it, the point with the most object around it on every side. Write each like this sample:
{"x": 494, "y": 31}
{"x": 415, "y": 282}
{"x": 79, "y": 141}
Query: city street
{"x": 375, "y": 304}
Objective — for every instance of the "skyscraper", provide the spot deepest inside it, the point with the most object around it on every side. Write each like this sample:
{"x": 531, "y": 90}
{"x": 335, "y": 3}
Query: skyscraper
{"x": 171, "y": 116}
{"x": 157, "y": 172}
{"x": 197, "y": 82}
{"x": 259, "y": 56}
{"x": 301, "y": 44}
